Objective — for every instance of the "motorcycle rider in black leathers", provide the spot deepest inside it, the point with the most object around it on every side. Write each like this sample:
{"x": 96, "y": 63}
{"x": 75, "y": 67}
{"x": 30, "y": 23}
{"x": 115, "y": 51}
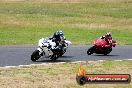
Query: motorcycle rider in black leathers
{"x": 58, "y": 37}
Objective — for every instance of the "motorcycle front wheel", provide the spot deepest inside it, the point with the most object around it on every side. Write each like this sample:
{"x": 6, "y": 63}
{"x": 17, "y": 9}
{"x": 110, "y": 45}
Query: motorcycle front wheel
{"x": 108, "y": 51}
{"x": 35, "y": 55}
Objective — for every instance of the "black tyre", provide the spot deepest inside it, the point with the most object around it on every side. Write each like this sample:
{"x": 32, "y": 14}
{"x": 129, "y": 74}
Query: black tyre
{"x": 54, "y": 57}
{"x": 105, "y": 54}
{"x": 81, "y": 80}
{"x": 91, "y": 50}
{"x": 35, "y": 55}
{"x": 62, "y": 52}
{"x": 108, "y": 51}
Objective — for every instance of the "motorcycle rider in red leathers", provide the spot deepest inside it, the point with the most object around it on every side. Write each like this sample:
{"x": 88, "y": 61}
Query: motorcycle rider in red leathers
{"x": 108, "y": 38}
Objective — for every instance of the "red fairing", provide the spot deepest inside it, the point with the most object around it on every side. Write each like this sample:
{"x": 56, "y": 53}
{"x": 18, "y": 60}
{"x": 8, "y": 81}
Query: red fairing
{"x": 100, "y": 42}
{"x": 101, "y": 46}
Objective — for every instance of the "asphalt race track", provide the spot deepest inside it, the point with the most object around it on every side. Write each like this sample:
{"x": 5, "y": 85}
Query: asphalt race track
{"x": 20, "y": 55}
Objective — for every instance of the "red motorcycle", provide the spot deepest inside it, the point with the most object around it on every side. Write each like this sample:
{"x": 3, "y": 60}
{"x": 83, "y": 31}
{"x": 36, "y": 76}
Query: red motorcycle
{"x": 101, "y": 47}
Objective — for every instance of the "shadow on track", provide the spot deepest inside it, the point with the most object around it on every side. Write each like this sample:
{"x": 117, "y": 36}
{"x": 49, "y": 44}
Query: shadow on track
{"x": 66, "y": 57}
{"x": 60, "y": 59}
{"x": 105, "y": 55}
{"x": 50, "y": 61}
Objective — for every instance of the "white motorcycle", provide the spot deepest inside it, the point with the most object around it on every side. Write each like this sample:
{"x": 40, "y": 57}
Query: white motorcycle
{"x": 47, "y": 48}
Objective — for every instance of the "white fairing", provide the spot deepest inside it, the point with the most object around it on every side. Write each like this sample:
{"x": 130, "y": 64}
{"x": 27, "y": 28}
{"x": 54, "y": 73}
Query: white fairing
{"x": 45, "y": 43}
{"x": 53, "y": 44}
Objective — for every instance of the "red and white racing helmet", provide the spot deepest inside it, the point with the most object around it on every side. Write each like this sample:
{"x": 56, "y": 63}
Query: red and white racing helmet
{"x": 108, "y": 35}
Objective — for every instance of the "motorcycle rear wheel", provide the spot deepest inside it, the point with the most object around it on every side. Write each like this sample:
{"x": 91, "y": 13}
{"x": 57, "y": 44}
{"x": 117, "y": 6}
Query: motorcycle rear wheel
{"x": 35, "y": 55}
{"x": 90, "y": 50}
{"x": 62, "y": 52}
{"x": 54, "y": 57}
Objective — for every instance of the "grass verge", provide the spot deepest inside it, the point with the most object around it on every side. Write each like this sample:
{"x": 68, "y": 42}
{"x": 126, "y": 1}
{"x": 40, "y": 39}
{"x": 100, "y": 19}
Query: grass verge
{"x": 61, "y": 75}
{"x": 26, "y": 21}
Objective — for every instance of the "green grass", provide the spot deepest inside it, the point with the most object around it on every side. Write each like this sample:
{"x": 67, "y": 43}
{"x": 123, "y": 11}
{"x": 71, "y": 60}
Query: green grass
{"x": 24, "y": 22}
{"x": 61, "y": 75}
